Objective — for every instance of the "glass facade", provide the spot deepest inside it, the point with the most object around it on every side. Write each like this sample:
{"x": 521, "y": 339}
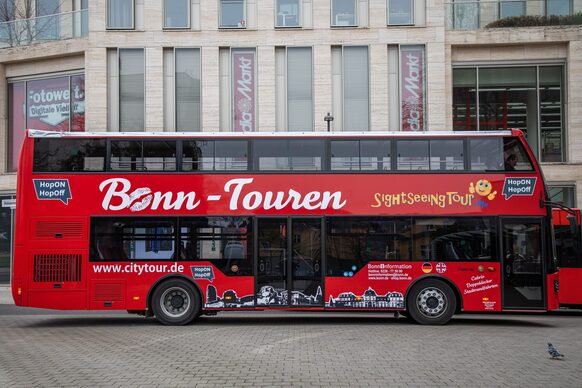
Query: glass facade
{"x": 49, "y": 104}
{"x": 6, "y": 233}
{"x": 530, "y": 98}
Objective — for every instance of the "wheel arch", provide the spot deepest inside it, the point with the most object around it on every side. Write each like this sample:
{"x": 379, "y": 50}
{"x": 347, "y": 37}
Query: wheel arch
{"x": 149, "y": 311}
{"x": 445, "y": 280}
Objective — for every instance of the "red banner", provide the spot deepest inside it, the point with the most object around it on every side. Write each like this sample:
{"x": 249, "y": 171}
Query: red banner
{"x": 271, "y": 194}
{"x": 244, "y": 83}
{"x": 412, "y": 87}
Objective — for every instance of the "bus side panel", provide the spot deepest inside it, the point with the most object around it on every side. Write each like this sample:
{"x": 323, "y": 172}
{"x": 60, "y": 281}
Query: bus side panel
{"x": 385, "y": 284}
{"x": 570, "y": 281}
{"x": 58, "y": 299}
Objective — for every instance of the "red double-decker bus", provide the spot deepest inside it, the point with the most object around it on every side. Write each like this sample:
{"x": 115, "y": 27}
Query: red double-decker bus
{"x": 568, "y": 240}
{"x": 177, "y": 225}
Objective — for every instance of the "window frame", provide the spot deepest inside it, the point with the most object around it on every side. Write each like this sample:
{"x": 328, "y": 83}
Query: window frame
{"x": 176, "y": 89}
{"x": 564, "y": 134}
{"x": 244, "y": 17}
{"x": 412, "y": 14}
{"x": 563, "y": 185}
{"x": 326, "y": 162}
{"x": 119, "y": 50}
{"x": 142, "y": 157}
{"x": 108, "y": 27}
{"x": 356, "y": 21}
{"x": 343, "y": 84}
{"x": 312, "y": 84}
{"x": 299, "y": 16}
{"x": 189, "y": 18}
{"x": 92, "y": 237}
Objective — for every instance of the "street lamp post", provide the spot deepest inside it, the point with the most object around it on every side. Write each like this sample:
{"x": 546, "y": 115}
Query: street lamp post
{"x": 328, "y": 119}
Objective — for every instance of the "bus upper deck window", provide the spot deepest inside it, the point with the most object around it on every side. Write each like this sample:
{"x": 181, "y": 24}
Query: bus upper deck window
{"x": 486, "y": 154}
{"x": 514, "y": 155}
{"x": 69, "y": 155}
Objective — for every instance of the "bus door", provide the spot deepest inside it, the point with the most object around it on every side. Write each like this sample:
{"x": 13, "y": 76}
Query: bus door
{"x": 522, "y": 265}
{"x": 288, "y": 262}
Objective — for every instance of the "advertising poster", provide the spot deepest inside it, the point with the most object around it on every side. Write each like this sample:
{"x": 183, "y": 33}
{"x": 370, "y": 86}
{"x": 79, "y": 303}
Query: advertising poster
{"x": 412, "y": 87}
{"x": 244, "y": 90}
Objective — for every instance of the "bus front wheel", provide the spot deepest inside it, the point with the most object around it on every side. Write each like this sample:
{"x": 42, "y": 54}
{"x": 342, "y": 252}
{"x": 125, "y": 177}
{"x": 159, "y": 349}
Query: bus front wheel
{"x": 431, "y": 302}
{"x": 176, "y": 302}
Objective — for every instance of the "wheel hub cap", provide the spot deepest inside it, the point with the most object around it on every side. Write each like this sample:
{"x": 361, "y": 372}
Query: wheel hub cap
{"x": 431, "y": 302}
{"x": 175, "y": 302}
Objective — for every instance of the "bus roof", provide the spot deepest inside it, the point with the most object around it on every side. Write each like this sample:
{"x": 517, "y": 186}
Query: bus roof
{"x": 34, "y": 133}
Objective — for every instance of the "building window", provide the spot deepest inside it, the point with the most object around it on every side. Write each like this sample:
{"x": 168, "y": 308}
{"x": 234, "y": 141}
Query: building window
{"x": 120, "y": 14}
{"x": 400, "y": 12}
{"x": 176, "y": 13}
{"x": 187, "y": 81}
{"x": 356, "y": 89}
{"x": 288, "y": 13}
{"x": 343, "y": 13}
{"x": 48, "y": 22}
{"x": 530, "y": 98}
{"x": 465, "y": 15}
{"x": 299, "y": 89}
{"x": 232, "y": 14}
{"x": 509, "y": 8}
{"x": 131, "y": 90}
{"x": 49, "y": 104}
{"x": 558, "y": 7}
{"x": 564, "y": 194}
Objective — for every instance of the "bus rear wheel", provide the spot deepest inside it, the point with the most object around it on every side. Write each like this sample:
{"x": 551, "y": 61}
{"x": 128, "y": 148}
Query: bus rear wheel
{"x": 176, "y": 302}
{"x": 431, "y": 302}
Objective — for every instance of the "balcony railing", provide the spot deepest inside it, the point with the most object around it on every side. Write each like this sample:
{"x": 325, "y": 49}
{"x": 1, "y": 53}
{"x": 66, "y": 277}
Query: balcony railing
{"x": 475, "y": 14}
{"x": 60, "y": 26}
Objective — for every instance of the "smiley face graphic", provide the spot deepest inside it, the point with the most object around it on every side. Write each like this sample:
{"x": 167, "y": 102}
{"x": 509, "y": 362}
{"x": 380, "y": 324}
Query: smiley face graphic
{"x": 484, "y": 188}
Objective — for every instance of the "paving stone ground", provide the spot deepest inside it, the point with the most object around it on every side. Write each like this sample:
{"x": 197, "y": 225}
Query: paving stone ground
{"x": 266, "y": 349}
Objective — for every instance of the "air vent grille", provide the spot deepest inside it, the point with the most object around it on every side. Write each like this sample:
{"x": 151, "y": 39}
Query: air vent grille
{"x": 110, "y": 292}
{"x": 60, "y": 229}
{"x": 57, "y": 268}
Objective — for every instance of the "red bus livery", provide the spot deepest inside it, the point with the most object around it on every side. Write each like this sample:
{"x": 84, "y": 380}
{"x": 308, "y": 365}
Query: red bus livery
{"x": 178, "y": 225}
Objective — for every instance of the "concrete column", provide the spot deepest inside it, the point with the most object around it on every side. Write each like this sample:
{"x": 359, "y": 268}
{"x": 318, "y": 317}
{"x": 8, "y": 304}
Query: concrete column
{"x": 435, "y": 94}
{"x": 378, "y": 92}
{"x": 154, "y": 89}
{"x": 322, "y": 90}
{"x": 210, "y": 89}
{"x": 266, "y": 89}
{"x": 96, "y": 89}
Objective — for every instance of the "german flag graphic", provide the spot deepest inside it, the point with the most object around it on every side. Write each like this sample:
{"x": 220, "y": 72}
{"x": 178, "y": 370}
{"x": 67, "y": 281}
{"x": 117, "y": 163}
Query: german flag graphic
{"x": 427, "y": 268}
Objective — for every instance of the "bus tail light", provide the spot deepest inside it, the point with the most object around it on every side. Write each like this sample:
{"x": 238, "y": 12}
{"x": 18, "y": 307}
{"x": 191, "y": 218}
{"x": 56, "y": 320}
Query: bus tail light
{"x": 556, "y": 286}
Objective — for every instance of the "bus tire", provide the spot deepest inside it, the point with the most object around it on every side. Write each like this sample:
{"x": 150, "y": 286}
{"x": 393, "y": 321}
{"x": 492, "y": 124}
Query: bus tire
{"x": 431, "y": 302}
{"x": 176, "y": 302}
